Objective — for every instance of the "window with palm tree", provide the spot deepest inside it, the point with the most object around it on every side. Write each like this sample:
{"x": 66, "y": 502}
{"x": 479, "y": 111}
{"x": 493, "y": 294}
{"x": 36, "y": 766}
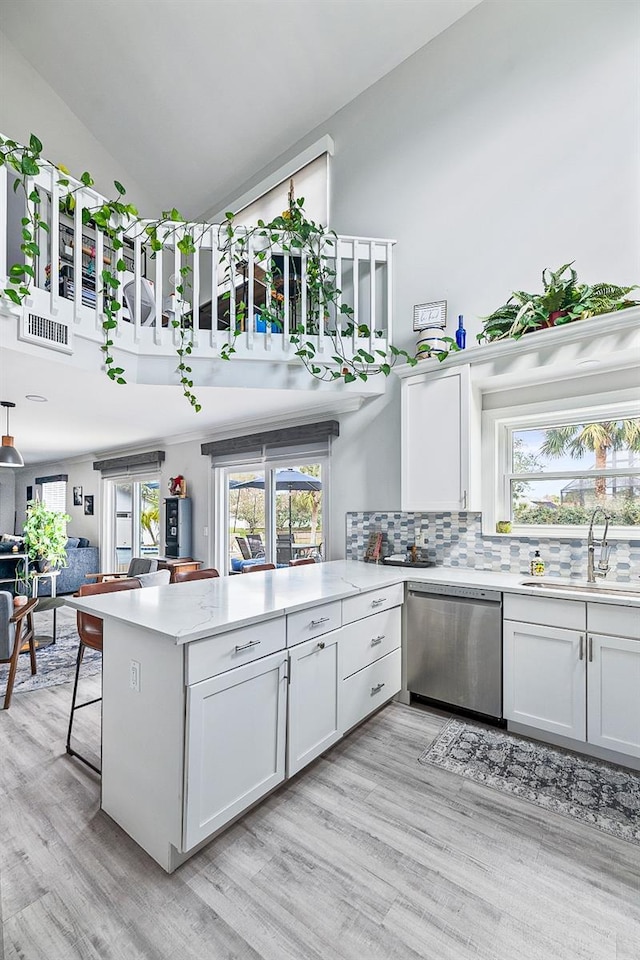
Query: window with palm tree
{"x": 559, "y": 473}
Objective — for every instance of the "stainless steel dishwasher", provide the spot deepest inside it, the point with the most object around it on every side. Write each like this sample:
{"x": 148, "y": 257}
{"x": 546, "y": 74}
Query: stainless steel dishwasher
{"x": 454, "y": 646}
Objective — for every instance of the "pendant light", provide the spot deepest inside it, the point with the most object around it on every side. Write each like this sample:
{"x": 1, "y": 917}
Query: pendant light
{"x": 9, "y": 456}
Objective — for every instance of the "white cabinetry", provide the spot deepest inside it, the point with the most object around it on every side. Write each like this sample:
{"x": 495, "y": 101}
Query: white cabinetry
{"x": 313, "y": 700}
{"x": 370, "y": 662}
{"x": 544, "y": 678}
{"x": 235, "y": 743}
{"x": 613, "y": 693}
{"x": 438, "y": 442}
{"x": 571, "y": 680}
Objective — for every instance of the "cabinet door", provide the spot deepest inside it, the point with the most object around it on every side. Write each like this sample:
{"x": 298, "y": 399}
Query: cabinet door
{"x": 313, "y": 700}
{"x": 235, "y": 749}
{"x": 545, "y": 678}
{"x": 435, "y": 440}
{"x": 613, "y": 693}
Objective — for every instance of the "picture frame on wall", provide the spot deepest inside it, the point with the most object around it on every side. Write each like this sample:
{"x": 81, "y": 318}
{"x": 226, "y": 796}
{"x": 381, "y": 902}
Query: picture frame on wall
{"x": 77, "y": 496}
{"x": 29, "y": 493}
{"x": 88, "y": 506}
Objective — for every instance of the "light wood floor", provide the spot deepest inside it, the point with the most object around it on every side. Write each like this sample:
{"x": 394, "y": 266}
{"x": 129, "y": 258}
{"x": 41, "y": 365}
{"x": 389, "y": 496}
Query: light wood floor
{"x": 367, "y": 855}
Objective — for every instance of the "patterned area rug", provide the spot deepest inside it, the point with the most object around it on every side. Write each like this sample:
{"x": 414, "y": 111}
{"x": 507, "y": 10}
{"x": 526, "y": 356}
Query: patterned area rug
{"x": 592, "y": 791}
{"x": 56, "y": 664}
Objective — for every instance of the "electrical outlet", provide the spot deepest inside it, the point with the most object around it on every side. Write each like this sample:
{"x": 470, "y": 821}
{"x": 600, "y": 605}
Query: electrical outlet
{"x": 421, "y": 540}
{"x": 205, "y": 531}
{"x": 134, "y": 675}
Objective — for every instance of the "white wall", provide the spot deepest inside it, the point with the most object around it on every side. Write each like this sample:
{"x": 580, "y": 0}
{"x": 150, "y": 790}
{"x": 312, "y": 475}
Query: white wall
{"x": 81, "y": 474}
{"x": 7, "y": 499}
{"x": 507, "y": 144}
{"x": 29, "y": 105}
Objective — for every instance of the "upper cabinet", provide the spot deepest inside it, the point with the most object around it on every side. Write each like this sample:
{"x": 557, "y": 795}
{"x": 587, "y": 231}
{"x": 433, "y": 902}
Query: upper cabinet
{"x": 439, "y": 432}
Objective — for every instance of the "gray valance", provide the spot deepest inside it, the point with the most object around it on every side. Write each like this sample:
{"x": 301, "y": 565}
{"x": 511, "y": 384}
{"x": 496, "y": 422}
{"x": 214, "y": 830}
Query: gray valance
{"x": 132, "y": 462}
{"x": 57, "y": 478}
{"x": 303, "y": 435}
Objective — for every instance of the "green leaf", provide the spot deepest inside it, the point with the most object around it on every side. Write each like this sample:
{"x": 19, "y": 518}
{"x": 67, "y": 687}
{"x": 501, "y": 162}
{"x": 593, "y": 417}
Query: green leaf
{"x": 29, "y": 167}
{"x": 121, "y": 190}
{"x": 175, "y": 215}
{"x": 34, "y": 144}
{"x": 87, "y": 179}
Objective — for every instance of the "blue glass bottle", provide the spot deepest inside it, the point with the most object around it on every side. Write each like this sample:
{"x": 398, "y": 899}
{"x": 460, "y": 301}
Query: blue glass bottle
{"x": 461, "y": 333}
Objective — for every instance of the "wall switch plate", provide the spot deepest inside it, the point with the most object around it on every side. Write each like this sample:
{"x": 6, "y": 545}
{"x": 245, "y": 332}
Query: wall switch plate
{"x": 134, "y": 675}
{"x": 205, "y": 531}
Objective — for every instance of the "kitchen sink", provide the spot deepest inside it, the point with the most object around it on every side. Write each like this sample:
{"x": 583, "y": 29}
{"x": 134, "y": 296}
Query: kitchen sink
{"x": 614, "y": 588}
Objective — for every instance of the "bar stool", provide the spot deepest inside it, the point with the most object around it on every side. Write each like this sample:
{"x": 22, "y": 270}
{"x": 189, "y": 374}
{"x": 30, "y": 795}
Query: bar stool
{"x": 90, "y": 633}
{"x": 259, "y": 566}
{"x": 207, "y": 574}
{"x": 302, "y": 562}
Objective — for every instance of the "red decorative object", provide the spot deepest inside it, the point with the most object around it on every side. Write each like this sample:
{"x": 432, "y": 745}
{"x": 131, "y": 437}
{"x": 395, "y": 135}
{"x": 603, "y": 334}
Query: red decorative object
{"x": 178, "y": 486}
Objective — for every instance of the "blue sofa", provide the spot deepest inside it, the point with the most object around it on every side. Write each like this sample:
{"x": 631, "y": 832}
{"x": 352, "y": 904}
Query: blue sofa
{"x": 81, "y": 560}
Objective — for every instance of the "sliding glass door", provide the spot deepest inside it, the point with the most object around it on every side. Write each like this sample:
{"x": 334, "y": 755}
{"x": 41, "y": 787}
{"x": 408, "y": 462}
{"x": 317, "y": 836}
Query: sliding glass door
{"x": 274, "y": 513}
{"x": 132, "y": 520}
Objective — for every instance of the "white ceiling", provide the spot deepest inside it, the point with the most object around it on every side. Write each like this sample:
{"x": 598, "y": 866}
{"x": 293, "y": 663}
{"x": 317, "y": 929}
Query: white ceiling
{"x": 86, "y": 413}
{"x": 194, "y": 97}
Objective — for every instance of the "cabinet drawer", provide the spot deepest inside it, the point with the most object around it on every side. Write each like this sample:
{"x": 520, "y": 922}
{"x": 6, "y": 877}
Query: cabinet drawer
{"x": 368, "y": 640}
{"x": 373, "y": 601}
{"x": 368, "y": 689}
{"x": 570, "y": 614}
{"x": 615, "y": 621}
{"x": 306, "y": 624}
{"x": 213, "y": 655}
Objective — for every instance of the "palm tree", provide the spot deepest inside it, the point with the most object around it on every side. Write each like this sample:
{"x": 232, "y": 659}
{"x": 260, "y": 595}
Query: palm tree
{"x": 602, "y": 437}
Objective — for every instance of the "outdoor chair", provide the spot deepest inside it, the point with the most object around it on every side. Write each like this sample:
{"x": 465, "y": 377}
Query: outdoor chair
{"x": 90, "y": 633}
{"x": 243, "y": 547}
{"x": 284, "y": 553}
{"x": 16, "y": 630}
{"x": 137, "y": 566}
{"x": 301, "y": 562}
{"x": 256, "y": 546}
{"x": 257, "y": 567}
{"x": 185, "y": 575}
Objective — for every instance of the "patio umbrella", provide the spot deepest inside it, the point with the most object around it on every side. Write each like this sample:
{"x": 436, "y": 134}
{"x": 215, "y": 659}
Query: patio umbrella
{"x": 285, "y": 480}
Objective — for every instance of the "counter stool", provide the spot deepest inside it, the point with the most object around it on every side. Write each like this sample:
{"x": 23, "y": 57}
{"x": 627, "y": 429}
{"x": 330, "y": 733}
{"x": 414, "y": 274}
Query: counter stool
{"x": 259, "y": 566}
{"x": 181, "y": 576}
{"x": 90, "y": 633}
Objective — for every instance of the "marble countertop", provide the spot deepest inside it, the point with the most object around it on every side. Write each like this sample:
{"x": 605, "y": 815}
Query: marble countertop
{"x": 190, "y": 611}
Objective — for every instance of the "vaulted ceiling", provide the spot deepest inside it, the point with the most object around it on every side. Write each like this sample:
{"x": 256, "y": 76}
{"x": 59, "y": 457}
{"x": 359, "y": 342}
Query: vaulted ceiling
{"x": 194, "y": 97}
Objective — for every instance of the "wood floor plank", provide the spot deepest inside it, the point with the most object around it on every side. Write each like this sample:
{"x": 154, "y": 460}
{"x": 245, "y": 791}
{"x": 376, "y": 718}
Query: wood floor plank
{"x": 366, "y": 855}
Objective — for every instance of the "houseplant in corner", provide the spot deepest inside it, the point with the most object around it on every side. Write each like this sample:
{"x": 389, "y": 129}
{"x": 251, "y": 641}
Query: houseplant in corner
{"x": 45, "y": 538}
{"x": 563, "y": 300}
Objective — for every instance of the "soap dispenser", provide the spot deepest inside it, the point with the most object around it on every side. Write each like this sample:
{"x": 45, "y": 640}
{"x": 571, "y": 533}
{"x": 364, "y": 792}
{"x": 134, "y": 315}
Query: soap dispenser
{"x": 537, "y": 565}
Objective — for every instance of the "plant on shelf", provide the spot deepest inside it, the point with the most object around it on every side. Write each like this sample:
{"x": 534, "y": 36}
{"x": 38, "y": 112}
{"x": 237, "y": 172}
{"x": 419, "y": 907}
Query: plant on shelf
{"x": 289, "y": 235}
{"x": 45, "y": 535}
{"x": 563, "y": 300}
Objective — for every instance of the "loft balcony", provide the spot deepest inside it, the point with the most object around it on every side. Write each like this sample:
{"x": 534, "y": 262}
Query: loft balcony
{"x": 223, "y": 305}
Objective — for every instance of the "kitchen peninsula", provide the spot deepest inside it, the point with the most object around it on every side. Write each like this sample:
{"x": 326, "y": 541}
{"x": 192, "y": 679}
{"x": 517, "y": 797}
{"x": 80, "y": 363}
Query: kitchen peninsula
{"x": 216, "y": 691}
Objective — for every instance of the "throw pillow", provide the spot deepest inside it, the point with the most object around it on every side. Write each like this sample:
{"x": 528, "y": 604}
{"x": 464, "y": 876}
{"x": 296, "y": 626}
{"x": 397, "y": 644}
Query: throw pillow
{"x": 72, "y": 543}
{"x": 83, "y": 542}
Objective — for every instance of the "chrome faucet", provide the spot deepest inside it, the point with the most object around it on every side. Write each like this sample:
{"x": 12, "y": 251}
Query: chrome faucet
{"x": 605, "y": 549}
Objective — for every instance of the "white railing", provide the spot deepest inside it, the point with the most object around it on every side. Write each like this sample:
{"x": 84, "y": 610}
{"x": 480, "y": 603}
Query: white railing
{"x": 210, "y": 306}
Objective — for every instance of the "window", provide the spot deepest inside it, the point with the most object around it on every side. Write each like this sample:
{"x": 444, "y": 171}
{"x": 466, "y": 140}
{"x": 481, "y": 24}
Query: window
{"x": 310, "y": 183}
{"x": 275, "y": 513}
{"x": 559, "y": 470}
{"x": 53, "y": 492}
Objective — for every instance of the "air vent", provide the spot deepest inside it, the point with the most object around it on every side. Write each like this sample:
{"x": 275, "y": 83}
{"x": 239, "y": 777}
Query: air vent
{"x": 47, "y": 332}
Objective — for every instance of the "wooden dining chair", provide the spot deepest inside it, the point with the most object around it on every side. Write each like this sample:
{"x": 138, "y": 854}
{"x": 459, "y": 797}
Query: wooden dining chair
{"x": 90, "y": 633}
{"x": 16, "y": 630}
{"x": 181, "y": 576}
{"x": 259, "y": 566}
{"x": 301, "y": 562}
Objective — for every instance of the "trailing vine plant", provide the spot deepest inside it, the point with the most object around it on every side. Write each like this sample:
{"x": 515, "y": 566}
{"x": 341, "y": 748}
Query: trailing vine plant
{"x": 291, "y": 235}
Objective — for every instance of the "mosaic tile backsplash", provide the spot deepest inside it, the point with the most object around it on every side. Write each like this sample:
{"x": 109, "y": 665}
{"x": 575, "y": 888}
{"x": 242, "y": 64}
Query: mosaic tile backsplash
{"x": 456, "y": 540}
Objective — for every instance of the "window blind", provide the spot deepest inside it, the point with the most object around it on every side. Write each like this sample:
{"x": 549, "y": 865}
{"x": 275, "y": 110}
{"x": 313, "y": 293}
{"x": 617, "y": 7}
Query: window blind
{"x": 54, "y": 492}
{"x": 310, "y": 183}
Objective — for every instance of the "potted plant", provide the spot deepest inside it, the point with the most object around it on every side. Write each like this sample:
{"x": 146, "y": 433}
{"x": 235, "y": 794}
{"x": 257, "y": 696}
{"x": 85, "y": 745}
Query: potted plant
{"x": 45, "y": 536}
{"x": 562, "y": 300}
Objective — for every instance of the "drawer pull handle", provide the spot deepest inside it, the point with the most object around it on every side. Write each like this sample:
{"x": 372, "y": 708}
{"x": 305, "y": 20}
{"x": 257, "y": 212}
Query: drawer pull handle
{"x": 245, "y": 646}
{"x": 376, "y": 603}
{"x": 581, "y": 655}
{"x": 376, "y": 640}
{"x": 377, "y": 688}
{"x": 590, "y": 649}
{"x": 321, "y": 645}
{"x": 316, "y": 623}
